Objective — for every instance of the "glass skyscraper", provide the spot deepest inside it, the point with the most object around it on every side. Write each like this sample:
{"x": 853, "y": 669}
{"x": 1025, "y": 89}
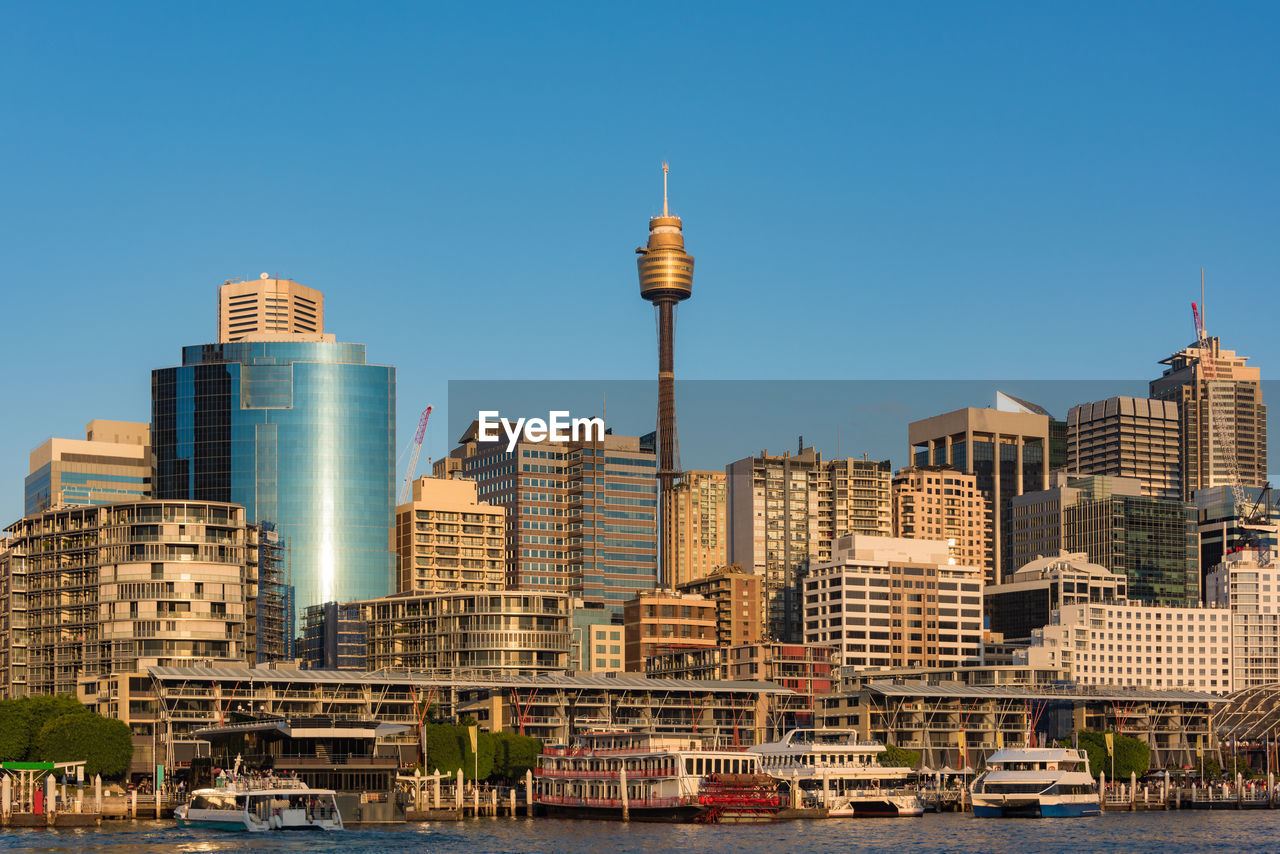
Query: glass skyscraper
{"x": 302, "y": 434}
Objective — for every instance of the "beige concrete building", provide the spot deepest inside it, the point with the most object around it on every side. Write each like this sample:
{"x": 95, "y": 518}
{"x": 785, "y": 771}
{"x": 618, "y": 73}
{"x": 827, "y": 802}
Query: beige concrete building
{"x": 696, "y": 527}
{"x": 477, "y": 633}
{"x": 1237, "y": 392}
{"x": 736, "y": 592}
{"x": 1130, "y": 437}
{"x": 1248, "y": 583}
{"x": 785, "y": 511}
{"x": 1008, "y": 452}
{"x": 268, "y": 306}
{"x": 112, "y": 589}
{"x": 1138, "y": 646}
{"x": 895, "y": 602}
{"x": 943, "y": 503}
{"x": 447, "y": 539}
{"x": 112, "y": 463}
{"x": 1027, "y": 600}
{"x": 663, "y": 620}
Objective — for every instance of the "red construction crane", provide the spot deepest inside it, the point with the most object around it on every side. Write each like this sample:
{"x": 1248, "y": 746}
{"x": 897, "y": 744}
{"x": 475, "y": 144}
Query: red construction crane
{"x": 405, "y": 486}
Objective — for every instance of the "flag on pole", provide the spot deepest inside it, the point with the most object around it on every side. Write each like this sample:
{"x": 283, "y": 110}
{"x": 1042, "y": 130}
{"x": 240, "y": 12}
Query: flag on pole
{"x": 473, "y": 732}
{"x": 1111, "y": 743}
{"x": 1200, "y": 745}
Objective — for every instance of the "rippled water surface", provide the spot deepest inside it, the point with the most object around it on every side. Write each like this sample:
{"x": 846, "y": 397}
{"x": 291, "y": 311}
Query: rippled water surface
{"x": 1175, "y": 831}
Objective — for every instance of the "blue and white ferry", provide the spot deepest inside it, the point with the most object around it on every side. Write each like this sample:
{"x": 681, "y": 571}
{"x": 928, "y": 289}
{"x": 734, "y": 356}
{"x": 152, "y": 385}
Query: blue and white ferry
{"x": 259, "y": 806}
{"x": 1033, "y": 782}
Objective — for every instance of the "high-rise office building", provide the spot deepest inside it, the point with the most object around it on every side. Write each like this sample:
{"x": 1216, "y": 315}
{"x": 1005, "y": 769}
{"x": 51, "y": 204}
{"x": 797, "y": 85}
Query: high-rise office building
{"x": 95, "y": 591}
{"x": 696, "y": 525}
{"x": 1225, "y": 526}
{"x": 1152, "y": 541}
{"x": 446, "y": 539}
{"x": 112, "y": 463}
{"x": 1027, "y": 599}
{"x": 581, "y": 515}
{"x": 334, "y": 637}
{"x": 666, "y": 279}
{"x": 892, "y": 602}
{"x": 1008, "y": 452}
{"x": 1130, "y": 437}
{"x": 298, "y": 429}
{"x": 784, "y": 513}
{"x": 268, "y": 306}
{"x": 943, "y": 503}
{"x": 1236, "y": 392}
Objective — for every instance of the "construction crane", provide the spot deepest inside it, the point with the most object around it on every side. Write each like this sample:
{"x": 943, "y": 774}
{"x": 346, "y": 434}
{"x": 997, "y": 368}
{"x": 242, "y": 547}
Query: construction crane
{"x": 1252, "y": 513}
{"x": 406, "y": 485}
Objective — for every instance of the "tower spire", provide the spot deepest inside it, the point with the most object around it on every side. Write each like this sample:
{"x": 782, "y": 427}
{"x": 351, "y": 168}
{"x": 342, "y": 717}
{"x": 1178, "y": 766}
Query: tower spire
{"x": 665, "y": 169}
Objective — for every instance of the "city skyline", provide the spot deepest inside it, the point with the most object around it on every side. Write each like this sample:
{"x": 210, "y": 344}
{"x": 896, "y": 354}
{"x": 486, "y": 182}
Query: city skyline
{"x": 1096, "y": 187}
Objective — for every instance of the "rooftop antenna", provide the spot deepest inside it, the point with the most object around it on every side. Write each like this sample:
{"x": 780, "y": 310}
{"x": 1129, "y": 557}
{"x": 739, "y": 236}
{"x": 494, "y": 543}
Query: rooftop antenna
{"x": 665, "y": 169}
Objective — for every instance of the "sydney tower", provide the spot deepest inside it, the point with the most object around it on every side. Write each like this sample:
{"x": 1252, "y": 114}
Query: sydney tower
{"x": 666, "y": 278}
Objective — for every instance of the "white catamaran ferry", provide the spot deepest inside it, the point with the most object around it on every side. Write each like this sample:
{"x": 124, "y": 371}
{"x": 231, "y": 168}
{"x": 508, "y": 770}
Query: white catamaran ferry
{"x": 647, "y": 777}
{"x": 832, "y": 770}
{"x": 260, "y": 805}
{"x": 1031, "y": 781}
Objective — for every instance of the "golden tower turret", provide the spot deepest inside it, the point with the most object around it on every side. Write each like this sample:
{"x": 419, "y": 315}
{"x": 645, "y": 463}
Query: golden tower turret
{"x": 666, "y": 278}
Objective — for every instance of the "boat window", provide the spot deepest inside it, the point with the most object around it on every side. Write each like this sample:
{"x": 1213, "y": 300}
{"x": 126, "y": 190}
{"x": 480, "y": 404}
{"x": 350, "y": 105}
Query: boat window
{"x": 688, "y": 766}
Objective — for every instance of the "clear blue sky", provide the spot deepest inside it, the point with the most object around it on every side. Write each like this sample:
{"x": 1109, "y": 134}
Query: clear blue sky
{"x": 925, "y": 190}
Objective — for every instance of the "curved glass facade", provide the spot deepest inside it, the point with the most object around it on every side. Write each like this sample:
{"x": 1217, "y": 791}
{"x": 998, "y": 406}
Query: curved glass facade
{"x": 302, "y": 434}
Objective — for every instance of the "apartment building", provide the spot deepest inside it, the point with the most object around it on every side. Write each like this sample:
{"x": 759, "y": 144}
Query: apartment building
{"x": 447, "y": 539}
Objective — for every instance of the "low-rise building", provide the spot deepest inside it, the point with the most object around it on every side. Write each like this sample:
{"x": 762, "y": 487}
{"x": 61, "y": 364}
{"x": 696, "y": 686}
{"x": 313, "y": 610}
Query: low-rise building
{"x": 895, "y": 602}
{"x": 739, "y": 602}
{"x": 1026, "y": 601}
{"x": 595, "y": 638}
{"x": 661, "y": 620}
{"x": 512, "y": 632}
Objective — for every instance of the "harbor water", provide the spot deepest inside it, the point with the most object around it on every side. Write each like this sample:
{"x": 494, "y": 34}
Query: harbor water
{"x": 1120, "y": 832}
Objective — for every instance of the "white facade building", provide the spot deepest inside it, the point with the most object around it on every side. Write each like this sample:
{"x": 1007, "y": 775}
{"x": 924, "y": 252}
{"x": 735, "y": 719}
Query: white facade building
{"x": 1138, "y": 645}
{"x": 1249, "y": 584}
{"x": 894, "y": 602}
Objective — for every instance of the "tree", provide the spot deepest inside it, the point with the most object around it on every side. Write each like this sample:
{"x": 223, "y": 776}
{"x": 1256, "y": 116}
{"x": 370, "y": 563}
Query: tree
{"x": 22, "y": 719}
{"x": 105, "y": 744}
{"x": 1133, "y": 755}
{"x": 899, "y": 757}
{"x": 513, "y": 755}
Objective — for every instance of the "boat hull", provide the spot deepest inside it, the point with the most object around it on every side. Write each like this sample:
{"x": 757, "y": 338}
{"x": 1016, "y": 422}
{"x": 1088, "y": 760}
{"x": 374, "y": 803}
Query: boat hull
{"x": 877, "y": 808}
{"x": 1036, "y": 809}
{"x": 672, "y": 814}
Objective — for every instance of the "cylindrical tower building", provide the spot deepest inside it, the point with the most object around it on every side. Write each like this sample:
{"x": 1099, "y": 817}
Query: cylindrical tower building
{"x": 666, "y": 278}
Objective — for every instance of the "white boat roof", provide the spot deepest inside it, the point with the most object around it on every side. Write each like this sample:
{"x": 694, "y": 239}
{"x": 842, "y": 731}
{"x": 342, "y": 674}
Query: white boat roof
{"x": 1034, "y": 754}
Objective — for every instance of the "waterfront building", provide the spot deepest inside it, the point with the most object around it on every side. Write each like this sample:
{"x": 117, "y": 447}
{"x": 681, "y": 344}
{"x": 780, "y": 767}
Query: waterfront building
{"x": 1130, "y": 437}
{"x": 895, "y": 602}
{"x": 943, "y": 503}
{"x": 581, "y": 516}
{"x": 94, "y": 591}
{"x": 334, "y": 637}
{"x": 1027, "y": 600}
{"x": 1248, "y": 582}
{"x": 1006, "y": 451}
{"x": 300, "y": 431}
{"x": 657, "y": 620}
{"x": 447, "y": 539}
{"x": 785, "y": 511}
{"x": 112, "y": 463}
{"x": 1224, "y": 526}
{"x": 959, "y": 724}
{"x": 595, "y": 638}
{"x": 550, "y": 707}
{"x": 1236, "y": 392}
{"x": 736, "y": 592}
{"x": 1138, "y": 646}
{"x": 695, "y": 525}
{"x": 466, "y": 632}
{"x": 808, "y": 670}
{"x": 268, "y": 305}
{"x": 1152, "y": 541}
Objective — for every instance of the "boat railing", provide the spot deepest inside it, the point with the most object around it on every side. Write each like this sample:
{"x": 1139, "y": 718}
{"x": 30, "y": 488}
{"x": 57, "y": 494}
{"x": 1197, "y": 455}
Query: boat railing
{"x": 562, "y": 800}
{"x": 607, "y": 774}
{"x": 246, "y": 784}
